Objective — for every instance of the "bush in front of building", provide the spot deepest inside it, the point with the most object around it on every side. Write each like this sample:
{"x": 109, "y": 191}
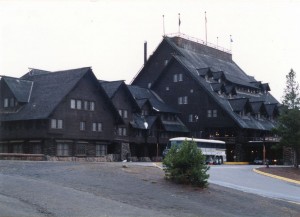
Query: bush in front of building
{"x": 185, "y": 164}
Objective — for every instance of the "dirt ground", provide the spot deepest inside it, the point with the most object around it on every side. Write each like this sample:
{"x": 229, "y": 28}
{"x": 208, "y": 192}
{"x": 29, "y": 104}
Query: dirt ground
{"x": 286, "y": 172}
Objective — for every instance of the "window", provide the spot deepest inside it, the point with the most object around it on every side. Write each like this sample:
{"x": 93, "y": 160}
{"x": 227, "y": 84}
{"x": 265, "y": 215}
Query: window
{"x": 86, "y": 105}
{"x": 180, "y": 77}
{"x": 12, "y": 102}
{"x": 73, "y": 104}
{"x": 193, "y": 118}
{"x": 209, "y": 113}
{"x": 5, "y": 103}
{"x": 167, "y": 88}
{"x": 92, "y": 106}
{"x": 149, "y": 85}
{"x": 175, "y": 79}
{"x": 56, "y": 124}
{"x": 3, "y": 148}
{"x": 179, "y": 100}
{"x": 215, "y": 113}
{"x": 82, "y": 126}
{"x": 36, "y": 149}
{"x": 145, "y": 112}
{"x": 192, "y": 90}
{"x": 122, "y": 131}
{"x": 78, "y": 104}
{"x": 123, "y": 113}
{"x": 101, "y": 150}
{"x": 62, "y": 149}
{"x": 183, "y": 100}
{"x": 97, "y": 127}
{"x": 18, "y": 148}
{"x": 53, "y": 123}
{"x": 80, "y": 149}
{"x": 59, "y": 124}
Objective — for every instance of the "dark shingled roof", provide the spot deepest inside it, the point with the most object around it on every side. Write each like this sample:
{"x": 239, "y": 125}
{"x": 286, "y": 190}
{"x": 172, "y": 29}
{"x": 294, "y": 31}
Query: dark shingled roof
{"x": 270, "y": 108}
{"x": 238, "y": 105}
{"x": 138, "y": 121}
{"x": 34, "y": 72}
{"x": 111, "y": 87}
{"x": 177, "y": 126}
{"x": 20, "y": 88}
{"x": 48, "y": 91}
{"x": 199, "y": 60}
{"x": 256, "y": 106}
{"x": 142, "y": 95}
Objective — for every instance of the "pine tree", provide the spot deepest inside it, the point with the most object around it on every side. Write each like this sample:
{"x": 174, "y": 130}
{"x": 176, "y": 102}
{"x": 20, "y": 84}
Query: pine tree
{"x": 291, "y": 97}
{"x": 289, "y": 121}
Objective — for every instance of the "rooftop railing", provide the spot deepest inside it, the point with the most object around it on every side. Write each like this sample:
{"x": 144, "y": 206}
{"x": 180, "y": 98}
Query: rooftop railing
{"x": 200, "y": 41}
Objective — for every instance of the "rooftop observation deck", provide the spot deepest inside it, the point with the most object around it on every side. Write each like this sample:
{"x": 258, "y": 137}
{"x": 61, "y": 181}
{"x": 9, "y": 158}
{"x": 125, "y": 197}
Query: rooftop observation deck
{"x": 199, "y": 41}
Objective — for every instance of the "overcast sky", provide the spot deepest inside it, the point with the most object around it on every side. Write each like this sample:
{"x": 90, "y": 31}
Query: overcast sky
{"x": 109, "y": 35}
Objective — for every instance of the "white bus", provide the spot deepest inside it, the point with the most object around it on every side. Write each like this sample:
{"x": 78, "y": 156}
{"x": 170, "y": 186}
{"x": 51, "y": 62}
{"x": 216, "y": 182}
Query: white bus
{"x": 214, "y": 150}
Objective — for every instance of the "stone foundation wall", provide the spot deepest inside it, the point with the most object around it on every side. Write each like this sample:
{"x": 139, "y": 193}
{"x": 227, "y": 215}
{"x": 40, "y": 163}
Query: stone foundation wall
{"x": 107, "y": 158}
{"x": 17, "y": 156}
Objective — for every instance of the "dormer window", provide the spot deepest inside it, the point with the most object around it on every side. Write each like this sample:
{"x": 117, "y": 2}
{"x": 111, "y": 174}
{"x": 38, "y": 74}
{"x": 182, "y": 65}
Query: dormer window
{"x": 220, "y": 80}
{"x": 5, "y": 103}
{"x": 12, "y": 102}
{"x": 206, "y": 77}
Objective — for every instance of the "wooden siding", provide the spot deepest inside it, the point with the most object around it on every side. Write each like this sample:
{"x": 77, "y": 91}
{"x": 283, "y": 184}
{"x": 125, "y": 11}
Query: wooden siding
{"x": 86, "y": 90}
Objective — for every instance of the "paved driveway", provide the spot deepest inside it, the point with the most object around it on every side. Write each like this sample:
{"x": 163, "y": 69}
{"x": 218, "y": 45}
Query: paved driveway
{"x": 242, "y": 177}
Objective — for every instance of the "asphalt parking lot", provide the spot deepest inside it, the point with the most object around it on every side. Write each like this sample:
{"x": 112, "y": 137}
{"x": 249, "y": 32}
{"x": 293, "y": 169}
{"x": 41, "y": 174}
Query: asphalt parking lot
{"x": 115, "y": 189}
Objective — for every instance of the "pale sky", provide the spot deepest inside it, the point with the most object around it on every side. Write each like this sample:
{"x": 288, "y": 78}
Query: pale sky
{"x": 109, "y": 35}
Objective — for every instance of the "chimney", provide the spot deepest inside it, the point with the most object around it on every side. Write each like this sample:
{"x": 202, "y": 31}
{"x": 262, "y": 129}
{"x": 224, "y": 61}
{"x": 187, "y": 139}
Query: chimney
{"x": 145, "y": 52}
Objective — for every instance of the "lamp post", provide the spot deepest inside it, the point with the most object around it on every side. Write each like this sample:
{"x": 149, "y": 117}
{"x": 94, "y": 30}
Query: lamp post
{"x": 146, "y": 128}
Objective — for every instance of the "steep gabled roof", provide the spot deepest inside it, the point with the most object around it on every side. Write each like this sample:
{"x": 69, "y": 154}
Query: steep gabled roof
{"x": 20, "y": 88}
{"x": 111, "y": 87}
{"x": 33, "y": 72}
{"x": 139, "y": 121}
{"x": 238, "y": 104}
{"x": 270, "y": 109}
{"x": 256, "y": 106}
{"x": 48, "y": 91}
{"x": 142, "y": 95}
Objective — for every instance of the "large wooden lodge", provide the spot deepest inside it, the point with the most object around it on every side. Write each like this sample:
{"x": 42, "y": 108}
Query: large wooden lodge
{"x": 185, "y": 88}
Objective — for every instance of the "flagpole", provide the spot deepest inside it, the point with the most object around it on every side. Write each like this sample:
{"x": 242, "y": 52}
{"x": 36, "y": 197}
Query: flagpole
{"x": 164, "y": 25}
{"x": 217, "y": 42}
{"x": 231, "y": 43}
{"x": 205, "y": 28}
{"x": 179, "y": 22}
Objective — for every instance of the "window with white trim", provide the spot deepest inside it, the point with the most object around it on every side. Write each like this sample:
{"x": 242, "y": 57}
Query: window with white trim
{"x": 5, "y": 102}
{"x": 175, "y": 79}
{"x": 73, "y": 104}
{"x": 209, "y": 113}
{"x": 122, "y": 131}
{"x": 82, "y": 125}
{"x": 78, "y": 104}
{"x": 215, "y": 113}
{"x": 56, "y": 124}
{"x": 86, "y": 105}
{"x": 97, "y": 127}
{"x": 92, "y": 106}
{"x": 180, "y": 77}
